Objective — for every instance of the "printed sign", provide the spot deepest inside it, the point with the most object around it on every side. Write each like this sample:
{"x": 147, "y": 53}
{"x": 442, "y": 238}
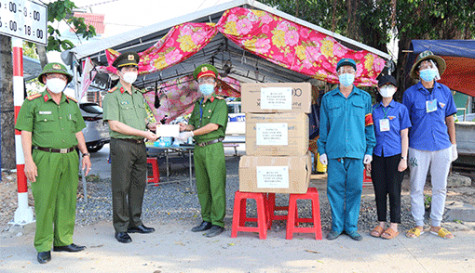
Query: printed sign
{"x": 272, "y": 134}
{"x": 24, "y": 19}
{"x": 272, "y": 177}
{"x": 276, "y": 98}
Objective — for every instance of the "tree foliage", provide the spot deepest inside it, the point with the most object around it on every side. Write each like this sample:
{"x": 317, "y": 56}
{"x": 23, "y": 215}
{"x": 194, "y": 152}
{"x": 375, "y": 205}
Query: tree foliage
{"x": 62, "y": 10}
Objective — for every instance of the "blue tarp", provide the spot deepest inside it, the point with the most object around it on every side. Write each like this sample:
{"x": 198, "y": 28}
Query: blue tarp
{"x": 455, "y": 48}
{"x": 459, "y": 56}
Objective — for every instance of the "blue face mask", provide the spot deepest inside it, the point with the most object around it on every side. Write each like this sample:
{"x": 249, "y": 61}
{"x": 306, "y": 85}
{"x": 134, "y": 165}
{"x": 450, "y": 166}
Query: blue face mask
{"x": 347, "y": 79}
{"x": 206, "y": 89}
{"x": 428, "y": 74}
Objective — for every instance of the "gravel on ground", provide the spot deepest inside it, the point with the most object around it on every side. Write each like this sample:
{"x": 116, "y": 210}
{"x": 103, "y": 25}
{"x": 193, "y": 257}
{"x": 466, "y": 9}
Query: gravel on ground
{"x": 176, "y": 201}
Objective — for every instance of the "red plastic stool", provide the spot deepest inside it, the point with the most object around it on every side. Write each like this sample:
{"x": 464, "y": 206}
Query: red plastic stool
{"x": 293, "y": 218}
{"x": 240, "y": 217}
{"x": 155, "y": 178}
{"x": 272, "y": 209}
{"x": 366, "y": 179}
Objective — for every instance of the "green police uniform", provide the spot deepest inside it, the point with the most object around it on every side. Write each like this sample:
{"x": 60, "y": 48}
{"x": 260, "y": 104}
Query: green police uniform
{"x": 210, "y": 167}
{"x": 128, "y": 156}
{"x": 53, "y": 126}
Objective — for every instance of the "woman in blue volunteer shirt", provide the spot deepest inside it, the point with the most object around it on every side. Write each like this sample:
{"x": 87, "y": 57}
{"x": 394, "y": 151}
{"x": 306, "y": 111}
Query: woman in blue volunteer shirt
{"x": 432, "y": 140}
{"x": 391, "y": 123}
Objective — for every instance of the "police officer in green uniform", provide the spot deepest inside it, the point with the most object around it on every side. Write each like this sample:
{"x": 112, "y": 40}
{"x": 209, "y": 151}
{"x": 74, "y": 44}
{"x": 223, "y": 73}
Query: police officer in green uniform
{"x": 50, "y": 125}
{"x": 207, "y": 125}
{"x": 124, "y": 109}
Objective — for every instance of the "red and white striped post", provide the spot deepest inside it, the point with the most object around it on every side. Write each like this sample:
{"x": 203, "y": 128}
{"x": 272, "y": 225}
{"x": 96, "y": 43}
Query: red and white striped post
{"x": 24, "y": 213}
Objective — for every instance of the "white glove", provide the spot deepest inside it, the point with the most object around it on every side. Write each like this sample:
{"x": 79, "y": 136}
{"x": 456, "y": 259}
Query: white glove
{"x": 324, "y": 159}
{"x": 454, "y": 152}
{"x": 367, "y": 159}
{"x": 183, "y": 136}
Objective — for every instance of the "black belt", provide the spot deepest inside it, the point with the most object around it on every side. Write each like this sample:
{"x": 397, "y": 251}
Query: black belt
{"x": 202, "y": 144}
{"x": 133, "y": 140}
{"x": 52, "y": 150}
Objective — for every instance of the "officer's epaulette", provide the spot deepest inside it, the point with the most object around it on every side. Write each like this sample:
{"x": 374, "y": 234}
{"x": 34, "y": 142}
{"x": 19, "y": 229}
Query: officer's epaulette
{"x": 219, "y": 98}
{"x": 71, "y": 98}
{"x": 112, "y": 90}
{"x": 32, "y": 97}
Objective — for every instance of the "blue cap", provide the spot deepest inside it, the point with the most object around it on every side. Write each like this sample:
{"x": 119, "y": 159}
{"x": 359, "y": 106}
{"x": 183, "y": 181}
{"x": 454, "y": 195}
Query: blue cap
{"x": 346, "y": 61}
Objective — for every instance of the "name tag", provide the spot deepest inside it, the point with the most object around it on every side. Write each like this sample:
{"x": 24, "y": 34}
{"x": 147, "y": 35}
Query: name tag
{"x": 431, "y": 105}
{"x": 384, "y": 125}
{"x": 45, "y": 112}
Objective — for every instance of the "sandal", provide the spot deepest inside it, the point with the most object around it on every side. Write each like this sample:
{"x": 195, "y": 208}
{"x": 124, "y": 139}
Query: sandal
{"x": 442, "y": 233}
{"x": 389, "y": 234}
{"x": 414, "y": 233}
{"x": 377, "y": 231}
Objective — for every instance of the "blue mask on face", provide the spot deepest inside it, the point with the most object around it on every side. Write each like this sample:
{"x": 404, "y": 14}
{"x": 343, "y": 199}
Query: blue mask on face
{"x": 206, "y": 89}
{"x": 428, "y": 74}
{"x": 346, "y": 79}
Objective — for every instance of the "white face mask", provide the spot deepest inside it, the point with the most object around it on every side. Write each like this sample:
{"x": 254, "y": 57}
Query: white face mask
{"x": 387, "y": 91}
{"x": 56, "y": 85}
{"x": 130, "y": 77}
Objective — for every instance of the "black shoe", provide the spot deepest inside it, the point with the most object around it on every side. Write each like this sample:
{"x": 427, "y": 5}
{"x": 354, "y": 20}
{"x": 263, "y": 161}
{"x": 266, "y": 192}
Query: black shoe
{"x": 44, "y": 257}
{"x": 69, "y": 248}
{"x": 123, "y": 237}
{"x": 140, "y": 229}
{"x": 202, "y": 227}
{"x": 332, "y": 235}
{"x": 214, "y": 231}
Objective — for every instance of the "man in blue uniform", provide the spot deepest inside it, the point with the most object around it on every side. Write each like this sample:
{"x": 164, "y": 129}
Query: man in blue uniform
{"x": 346, "y": 142}
{"x": 431, "y": 140}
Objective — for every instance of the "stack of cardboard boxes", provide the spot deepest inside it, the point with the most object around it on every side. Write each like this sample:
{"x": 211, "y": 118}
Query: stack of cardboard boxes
{"x": 277, "y": 158}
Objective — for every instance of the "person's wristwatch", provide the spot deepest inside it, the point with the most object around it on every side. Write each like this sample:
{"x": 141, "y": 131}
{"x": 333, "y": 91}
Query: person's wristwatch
{"x": 86, "y": 154}
{"x": 403, "y": 158}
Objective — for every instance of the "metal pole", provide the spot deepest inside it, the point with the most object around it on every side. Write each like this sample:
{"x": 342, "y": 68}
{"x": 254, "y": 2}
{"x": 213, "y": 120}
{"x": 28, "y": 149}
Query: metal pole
{"x": 24, "y": 213}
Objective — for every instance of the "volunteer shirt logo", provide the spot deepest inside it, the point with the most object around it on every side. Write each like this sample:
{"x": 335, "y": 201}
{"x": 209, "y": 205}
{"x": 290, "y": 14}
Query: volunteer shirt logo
{"x": 442, "y": 105}
{"x": 391, "y": 117}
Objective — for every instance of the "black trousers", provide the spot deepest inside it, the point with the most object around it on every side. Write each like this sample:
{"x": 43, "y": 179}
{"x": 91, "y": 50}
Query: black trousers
{"x": 129, "y": 178}
{"x": 387, "y": 181}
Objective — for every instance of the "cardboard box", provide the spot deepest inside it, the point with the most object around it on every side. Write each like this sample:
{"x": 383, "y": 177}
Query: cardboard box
{"x": 276, "y": 97}
{"x": 279, "y": 174}
{"x": 277, "y": 134}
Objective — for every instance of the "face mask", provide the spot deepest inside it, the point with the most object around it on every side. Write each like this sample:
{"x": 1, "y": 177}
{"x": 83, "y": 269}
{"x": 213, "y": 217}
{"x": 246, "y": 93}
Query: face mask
{"x": 55, "y": 85}
{"x": 346, "y": 79}
{"x": 206, "y": 89}
{"x": 130, "y": 77}
{"x": 428, "y": 74}
{"x": 387, "y": 91}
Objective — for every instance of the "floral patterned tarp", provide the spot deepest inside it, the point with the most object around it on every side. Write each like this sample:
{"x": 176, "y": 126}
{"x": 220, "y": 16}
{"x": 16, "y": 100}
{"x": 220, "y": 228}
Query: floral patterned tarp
{"x": 276, "y": 39}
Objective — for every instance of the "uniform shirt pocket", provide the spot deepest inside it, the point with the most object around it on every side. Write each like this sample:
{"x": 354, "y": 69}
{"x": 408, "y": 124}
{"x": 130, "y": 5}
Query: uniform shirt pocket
{"x": 45, "y": 123}
{"x": 334, "y": 110}
{"x": 126, "y": 112}
{"x": 419, "y": 109}
{"x": 357, "y": 108}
